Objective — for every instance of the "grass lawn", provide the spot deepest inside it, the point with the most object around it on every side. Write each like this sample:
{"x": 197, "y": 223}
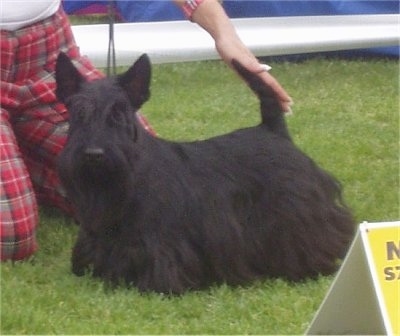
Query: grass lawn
{"x": 346, "y": 116}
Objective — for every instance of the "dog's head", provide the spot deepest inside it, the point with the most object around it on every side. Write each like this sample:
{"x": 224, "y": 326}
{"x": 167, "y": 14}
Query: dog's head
{"x": 103, "y": 127}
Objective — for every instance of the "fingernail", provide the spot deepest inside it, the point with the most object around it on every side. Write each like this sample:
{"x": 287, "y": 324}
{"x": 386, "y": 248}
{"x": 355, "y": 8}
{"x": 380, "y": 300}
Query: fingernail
{"x": 288, "y": 111}
{"x": 265, "y": 67}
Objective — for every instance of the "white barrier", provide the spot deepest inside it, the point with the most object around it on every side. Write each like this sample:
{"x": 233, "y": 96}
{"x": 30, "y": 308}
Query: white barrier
{"x": 178, "y": 41}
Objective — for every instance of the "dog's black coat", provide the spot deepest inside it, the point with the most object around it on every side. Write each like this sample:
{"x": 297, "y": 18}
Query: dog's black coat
{"x": 169, "y": 217}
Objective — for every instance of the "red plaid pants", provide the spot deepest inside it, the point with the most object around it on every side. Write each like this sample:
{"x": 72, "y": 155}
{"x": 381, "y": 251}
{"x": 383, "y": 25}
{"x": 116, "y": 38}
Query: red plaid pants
{"x": 33, "y": 128}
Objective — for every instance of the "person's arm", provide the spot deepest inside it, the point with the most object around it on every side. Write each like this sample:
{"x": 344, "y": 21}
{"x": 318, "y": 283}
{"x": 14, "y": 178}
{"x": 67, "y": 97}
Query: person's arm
{"x": 211, "y": 16}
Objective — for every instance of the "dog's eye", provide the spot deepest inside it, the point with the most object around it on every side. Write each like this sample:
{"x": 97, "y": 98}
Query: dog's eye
{"x": 80, "y": 110}
{"x": 118, "y": 117}
{"x": 118, "y": 114}
{"x": 82, "y": 115}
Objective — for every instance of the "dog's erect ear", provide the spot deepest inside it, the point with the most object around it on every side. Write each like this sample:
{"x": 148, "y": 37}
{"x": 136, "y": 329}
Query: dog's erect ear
{"x": 136, "y": 81}
{"x": 68, "y": 78}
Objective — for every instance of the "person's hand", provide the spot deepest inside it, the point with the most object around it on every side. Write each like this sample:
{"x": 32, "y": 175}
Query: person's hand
{"x": 234, "y": 49}
{"x": 210, "y": 15}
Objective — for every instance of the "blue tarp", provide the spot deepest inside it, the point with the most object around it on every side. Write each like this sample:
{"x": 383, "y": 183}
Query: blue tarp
{"x": 143, "y": 11}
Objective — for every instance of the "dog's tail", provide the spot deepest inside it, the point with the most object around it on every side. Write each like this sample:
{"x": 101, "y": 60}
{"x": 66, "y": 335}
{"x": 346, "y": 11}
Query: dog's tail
{"x": 271, "y": 112}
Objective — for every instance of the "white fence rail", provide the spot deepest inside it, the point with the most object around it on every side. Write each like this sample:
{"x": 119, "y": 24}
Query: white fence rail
{"x": 179, "y": 41}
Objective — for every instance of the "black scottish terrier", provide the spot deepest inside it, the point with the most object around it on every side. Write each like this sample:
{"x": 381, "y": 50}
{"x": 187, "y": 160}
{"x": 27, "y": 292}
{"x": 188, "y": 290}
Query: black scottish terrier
{"x": 169, "y": 217}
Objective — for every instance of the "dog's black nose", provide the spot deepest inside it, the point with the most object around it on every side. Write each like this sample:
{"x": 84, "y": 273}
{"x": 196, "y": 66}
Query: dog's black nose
{"x": 94, "y": 154}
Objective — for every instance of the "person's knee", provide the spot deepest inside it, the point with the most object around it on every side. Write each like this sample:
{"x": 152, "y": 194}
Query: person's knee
{"x": 17, "y": 247}
{"x": 18, "y": 211}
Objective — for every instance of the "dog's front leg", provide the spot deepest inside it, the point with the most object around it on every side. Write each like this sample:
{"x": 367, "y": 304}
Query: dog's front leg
{"x": 82, "y": 253}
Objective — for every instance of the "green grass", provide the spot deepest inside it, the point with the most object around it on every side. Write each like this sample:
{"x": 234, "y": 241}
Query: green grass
{"x": 346, "y": 116}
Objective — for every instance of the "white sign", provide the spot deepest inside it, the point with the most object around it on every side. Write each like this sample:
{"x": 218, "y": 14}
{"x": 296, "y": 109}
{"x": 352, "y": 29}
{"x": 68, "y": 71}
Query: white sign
{"x": 365, "y": 295}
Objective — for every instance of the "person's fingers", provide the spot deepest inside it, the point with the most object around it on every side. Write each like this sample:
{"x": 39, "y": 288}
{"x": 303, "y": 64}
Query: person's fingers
{"x": 235, "y": 49}
{"x": 285, "y": 100}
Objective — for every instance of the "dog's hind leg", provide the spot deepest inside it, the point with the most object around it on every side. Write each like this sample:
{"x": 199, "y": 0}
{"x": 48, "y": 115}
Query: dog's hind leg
{"x": 271, "y": 112}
